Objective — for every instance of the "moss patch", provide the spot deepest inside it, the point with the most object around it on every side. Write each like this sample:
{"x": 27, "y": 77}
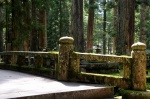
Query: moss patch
{"x": 132, "y": 94}
{"x": 106, "y": 75}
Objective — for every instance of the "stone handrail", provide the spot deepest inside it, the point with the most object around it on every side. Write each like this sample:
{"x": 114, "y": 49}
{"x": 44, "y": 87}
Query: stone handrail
{"x": 68, "y": 64}
{"x": 31, "y": 53}
{"x": 126, "y": 60}
{"x": 36, "y": 60}
{"x": 134, "y": 66}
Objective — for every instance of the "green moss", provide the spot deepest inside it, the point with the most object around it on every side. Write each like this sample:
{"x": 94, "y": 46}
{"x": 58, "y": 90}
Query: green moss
{"x": 106, "y": 75}
{"x": 53, "y": 52}
{"x": 132, "y": 94}
{"x": 74, "y": 55}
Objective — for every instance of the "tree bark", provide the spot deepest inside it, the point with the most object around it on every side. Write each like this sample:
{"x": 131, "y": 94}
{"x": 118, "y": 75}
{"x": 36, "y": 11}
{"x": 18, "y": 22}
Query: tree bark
{"x": 115, "y": 26}
{"x": 125, "y": 34}
{"x": 104, "y": 29}
{"x": 8, "y": 27}
{"x": 16, "y": 25}
{"x": 77, "y": 25}
{"x": 26, "y": 30}
{"x": 1, "y": 28}
{"x": 43, "y": 33}
{"x": 90, "y": 27}
{"x": 34, "y": 35}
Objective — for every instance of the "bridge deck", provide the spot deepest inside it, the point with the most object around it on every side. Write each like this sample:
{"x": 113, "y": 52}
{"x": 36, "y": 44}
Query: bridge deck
{"x": 18, "y": 85}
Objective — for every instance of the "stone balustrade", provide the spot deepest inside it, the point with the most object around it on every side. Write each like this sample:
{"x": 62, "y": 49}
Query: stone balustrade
{"x": 67, "y": 64}
{"x": 134, "y": 66}
{"x": 30, "y": 59}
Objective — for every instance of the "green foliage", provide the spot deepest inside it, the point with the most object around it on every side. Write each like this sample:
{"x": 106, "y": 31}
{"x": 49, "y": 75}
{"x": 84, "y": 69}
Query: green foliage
{"x": 94, "y": 6}
{"x": 90, "y": 6}
{"x": 58, "y": 18}
{"x": 146, "y": 2}
{"x": 111, "y": 4}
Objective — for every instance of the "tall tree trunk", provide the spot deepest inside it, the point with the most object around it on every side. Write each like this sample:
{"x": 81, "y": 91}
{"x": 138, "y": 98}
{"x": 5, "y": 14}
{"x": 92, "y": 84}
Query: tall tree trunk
{"x": 125, "y": 34}
{"x": 43, "y": 33}
{"x": 34, "y": 35}
{"x": 120, "y": 49}
{"x": 77, "y": 24}
{"x": 115, "y": 25}
{"x": 130, "y": 25}
{"x": 16, "y": 25}
{"x": 8, "y": 27}
{"x": 143, "y": 22}
{"x": 60, "y": 18}
{"x": 90, "y": 27}
{"x": 1, "y": 28}
{"x": 104, "y": 29}
{"x": 26, "y": 30}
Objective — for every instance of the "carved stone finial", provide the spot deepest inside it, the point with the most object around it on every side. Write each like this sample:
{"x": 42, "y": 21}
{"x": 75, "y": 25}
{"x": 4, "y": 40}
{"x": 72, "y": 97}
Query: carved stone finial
{"x": 138, "y": 46}
{"x": 66, "y": 40}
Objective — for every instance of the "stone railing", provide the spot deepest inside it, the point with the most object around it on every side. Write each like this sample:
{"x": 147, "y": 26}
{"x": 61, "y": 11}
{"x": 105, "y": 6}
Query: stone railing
{"x": 36, "y": 61}
{"x": 134, "y": 66}
{"x": 67, "y": 65}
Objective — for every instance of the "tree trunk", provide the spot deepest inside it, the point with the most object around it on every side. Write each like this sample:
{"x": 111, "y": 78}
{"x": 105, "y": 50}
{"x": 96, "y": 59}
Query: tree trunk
{"x": 8, "y": 27}
{"x": 1, "y": 28}
{"x": 125, "y": 34}
{"x": 77, "y": 25}
{"x": 115, "y": 26}
{"x": 90, "y": 27}
{"x": 26, "y": 30}
{"x": 43, "y": 33}
{"x": 34, "y": 35}
{"x": 143, "y": 22}
{"x": 60, "y": 18}
{"x": 16, "y": 25}
{"x": 104, "y": 29}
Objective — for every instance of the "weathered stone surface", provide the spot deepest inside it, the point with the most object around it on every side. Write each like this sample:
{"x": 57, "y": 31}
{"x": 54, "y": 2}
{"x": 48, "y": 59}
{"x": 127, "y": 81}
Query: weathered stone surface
{"x": 15, "y": 85}
{"x": 87, "y": 94}
{"x": 38, "y": 61}
{"x": 65, "y": 49}
{"x": 21, "y": 60}
{"x": 138, "y": 46}
{"x": 66, "y": 40}
{"x": 105, "y": 79}
{"x": 139, "y": 66}
{"x": 131, "y": 94}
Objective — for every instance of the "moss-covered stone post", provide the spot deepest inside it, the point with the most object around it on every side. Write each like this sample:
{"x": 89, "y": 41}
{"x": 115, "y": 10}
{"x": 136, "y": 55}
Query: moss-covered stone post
{"x": 74, "y": 67}
{"x": 38, "y": 61}
{"x": 20, "y": 60}
{"x": 139, "y": 66}
{"x": 65, "y": 50}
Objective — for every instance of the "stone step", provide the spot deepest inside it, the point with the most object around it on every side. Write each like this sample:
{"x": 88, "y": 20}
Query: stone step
{"x": 100, "y": 93}
{"x": 16, "y": 85}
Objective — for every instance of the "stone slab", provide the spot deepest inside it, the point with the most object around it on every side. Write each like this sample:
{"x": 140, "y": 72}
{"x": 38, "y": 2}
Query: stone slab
{"x": 25, "y": 86}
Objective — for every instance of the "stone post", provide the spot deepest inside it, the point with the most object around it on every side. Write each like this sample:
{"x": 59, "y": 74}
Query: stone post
{"x": 65, "y": 49}
{"x": 38, "y": 63}
{"x": 20, "y": 60}
{"x": 74, "y": 68}
{"x": 139, "y": 66}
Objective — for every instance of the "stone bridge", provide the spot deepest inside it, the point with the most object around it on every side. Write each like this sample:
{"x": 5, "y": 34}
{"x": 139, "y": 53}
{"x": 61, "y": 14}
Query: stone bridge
{"x": 65, "y": 65}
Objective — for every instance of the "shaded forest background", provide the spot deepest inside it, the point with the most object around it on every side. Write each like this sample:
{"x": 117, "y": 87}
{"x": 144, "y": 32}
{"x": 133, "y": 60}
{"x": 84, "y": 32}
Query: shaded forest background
{"x": 113, "y": 25}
